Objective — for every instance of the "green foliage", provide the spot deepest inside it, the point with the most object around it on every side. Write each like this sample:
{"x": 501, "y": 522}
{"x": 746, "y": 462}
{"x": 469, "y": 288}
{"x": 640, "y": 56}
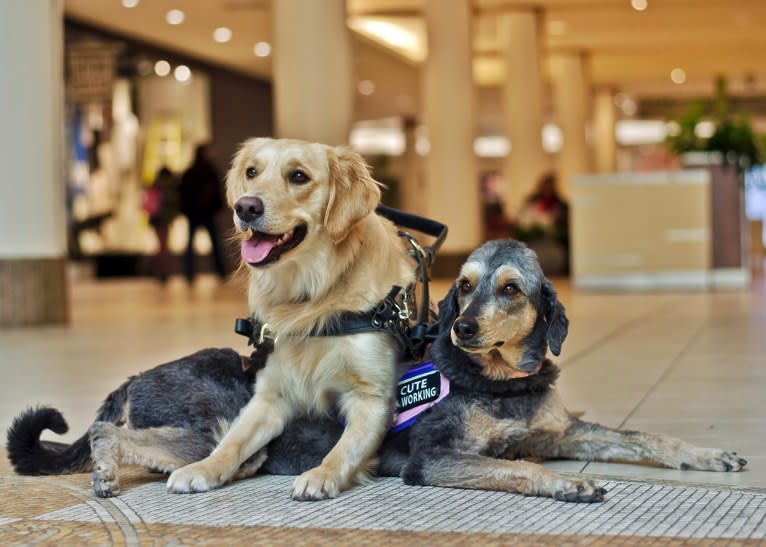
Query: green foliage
{"x": 684, "y": 139}
{"x": 734, "y": 137}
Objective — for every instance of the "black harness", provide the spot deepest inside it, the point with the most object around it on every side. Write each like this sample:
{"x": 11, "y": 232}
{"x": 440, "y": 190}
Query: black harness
{"x": 392, "y": 315}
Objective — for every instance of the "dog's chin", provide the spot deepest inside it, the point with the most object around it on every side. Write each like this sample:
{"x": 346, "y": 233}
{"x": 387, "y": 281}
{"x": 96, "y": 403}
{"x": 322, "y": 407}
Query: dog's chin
{"x": 262, "y": 249}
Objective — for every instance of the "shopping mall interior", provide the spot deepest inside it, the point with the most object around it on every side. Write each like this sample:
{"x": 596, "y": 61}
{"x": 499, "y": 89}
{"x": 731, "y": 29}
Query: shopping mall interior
{"x": 624, "y": 141}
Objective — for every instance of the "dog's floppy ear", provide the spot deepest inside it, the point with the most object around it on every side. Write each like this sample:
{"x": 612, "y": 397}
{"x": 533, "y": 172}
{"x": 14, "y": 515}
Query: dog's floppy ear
{"x": 555, "y": 317}
{"x": 448, "y": 310}
{"x": 354, "y": 194}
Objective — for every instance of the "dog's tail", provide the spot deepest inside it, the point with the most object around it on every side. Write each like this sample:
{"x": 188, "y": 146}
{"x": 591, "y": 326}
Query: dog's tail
{"x": 31, "y": 456}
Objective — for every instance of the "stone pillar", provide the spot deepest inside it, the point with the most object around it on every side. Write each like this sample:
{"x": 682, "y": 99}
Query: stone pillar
{"x": 604, "y": 119}
{"x": 523, "y": 93}
{"x": 410, "y": 191}
{"x": 451, "y": 181}
{"x": 312, "y": 71}
{"x": 570, "y": 97}
{"x": 33, "y": 248}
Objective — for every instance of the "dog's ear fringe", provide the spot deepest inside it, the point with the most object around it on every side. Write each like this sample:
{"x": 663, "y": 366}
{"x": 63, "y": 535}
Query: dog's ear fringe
{"x": 555, "y": 317}
{"x": 448, "y": 310}
{"x": 352, "y": 184}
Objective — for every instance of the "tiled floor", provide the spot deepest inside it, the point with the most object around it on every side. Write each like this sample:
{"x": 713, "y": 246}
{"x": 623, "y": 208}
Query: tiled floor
{"x": 691, "y": 365}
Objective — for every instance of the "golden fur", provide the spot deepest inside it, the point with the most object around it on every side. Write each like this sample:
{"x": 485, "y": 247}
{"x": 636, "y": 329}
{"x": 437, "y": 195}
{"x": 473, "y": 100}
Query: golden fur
{"x": 348, "y": 261}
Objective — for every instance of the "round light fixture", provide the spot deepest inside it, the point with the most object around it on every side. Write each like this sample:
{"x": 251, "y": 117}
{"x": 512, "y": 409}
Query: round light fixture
{"x": 162, "y": 68}
{"x": 222, "y": 35}
{"x": 175, "y": 17}
{"x": 639, "y": 5}
{"x": 182, "y": 73}
{"x": 262, "y": 49}
{"x": 129, "y": 3}
{"x": 678, "y": 75}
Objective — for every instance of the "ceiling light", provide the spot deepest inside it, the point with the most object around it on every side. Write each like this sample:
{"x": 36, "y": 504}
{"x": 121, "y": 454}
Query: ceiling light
{"x": 222, "y": 35}
{"x": 175, "y": 17}
{"x": 162, "y": 68}
{"x": 262, "y": 49}
{"x": 378, "y": 140}
{"x": 635, "y": 132}
{"x": 491, "y": 147}
{"x": 390, "y": 33}
{"x": 129, "y": 3}
{"x": 366, "y": 87}
{"x": 639, "y": 5}
{"x": 678, "y": 75}
{"x": 182, "y": 73}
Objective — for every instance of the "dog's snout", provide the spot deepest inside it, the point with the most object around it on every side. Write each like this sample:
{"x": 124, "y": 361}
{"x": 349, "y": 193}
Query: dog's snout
{"x": 465, "y": 328}
{"x": 249, "y": 208}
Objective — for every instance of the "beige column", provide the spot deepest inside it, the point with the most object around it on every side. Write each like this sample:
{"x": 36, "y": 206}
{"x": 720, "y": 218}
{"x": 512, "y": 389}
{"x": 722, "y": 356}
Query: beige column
{"x": 312, "y": 70}
{"x": 33, "y": 249}
{"x": 570, "y": 97}
{"x": 523, "y": 93}
{"x": 451, "y": 186}
{"x": 411, "y": 190}
{"x": 604, "y": 119}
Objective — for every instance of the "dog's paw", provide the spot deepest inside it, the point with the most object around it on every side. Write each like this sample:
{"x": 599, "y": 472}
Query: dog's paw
{"x": 709, "y": 459}
{"x": 195, "y": 477}
{"x": 316, "y": 484}
{"x": 105, "y": 481}
{"x": 582, "y": 491}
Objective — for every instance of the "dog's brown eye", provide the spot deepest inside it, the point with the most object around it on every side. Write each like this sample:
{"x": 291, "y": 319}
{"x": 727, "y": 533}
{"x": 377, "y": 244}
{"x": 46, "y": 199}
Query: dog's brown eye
{"x": 251, "y": 172}
{"x": 465, "y": 286}
{"x": 510, "y": 289}
{"x": 299, "y": 177}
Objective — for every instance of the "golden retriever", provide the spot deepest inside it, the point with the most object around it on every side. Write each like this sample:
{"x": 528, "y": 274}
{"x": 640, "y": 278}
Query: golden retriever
{"x": 315, "y": 248}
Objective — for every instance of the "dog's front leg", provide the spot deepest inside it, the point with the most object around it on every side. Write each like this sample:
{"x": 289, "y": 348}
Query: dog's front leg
{"x": 261, "y": 420}
{"x": 589, "y": 441}
{"x": 461, "y": 470}
{"x": 366, "y": 421}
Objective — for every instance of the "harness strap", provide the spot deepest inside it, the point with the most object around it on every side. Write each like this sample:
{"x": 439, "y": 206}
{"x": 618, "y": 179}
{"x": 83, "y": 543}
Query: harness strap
{"x": 387, "y": 317}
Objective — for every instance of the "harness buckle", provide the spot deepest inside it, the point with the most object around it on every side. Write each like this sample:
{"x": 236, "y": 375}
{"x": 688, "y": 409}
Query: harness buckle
{"x": 264, "y": 333}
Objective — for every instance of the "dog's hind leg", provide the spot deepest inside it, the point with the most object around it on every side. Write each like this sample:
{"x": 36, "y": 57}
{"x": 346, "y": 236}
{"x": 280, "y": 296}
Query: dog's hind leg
{"x": 456, "y": 470}
{"x": 589, "y": 441}
{"x": 162, "y": 449}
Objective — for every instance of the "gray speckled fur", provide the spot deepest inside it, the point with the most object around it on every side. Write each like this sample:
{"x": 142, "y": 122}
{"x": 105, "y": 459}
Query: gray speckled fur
{"x": 474, "y": 437}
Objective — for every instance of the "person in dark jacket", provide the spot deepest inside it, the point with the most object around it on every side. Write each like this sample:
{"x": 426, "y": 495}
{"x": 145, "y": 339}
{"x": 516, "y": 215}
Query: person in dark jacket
{"x": 201, "y": 199}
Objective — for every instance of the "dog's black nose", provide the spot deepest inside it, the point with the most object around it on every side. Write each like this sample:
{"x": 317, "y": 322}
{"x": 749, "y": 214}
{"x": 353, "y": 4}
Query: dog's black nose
{"x": 248, "y": 208}
{"x": 465, "y": 328}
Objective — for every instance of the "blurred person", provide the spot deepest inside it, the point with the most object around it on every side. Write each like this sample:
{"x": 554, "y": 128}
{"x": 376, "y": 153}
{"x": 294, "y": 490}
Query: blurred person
{"x": 547, "y": 207}
{"x": 545, "y": 217}
{"x": 161, "y": 202}
{"x": 201, "y": 199}
{"x": 496, "y": 224}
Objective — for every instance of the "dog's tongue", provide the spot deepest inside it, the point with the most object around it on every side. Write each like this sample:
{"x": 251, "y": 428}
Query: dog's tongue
{"x": 257, "y": 248}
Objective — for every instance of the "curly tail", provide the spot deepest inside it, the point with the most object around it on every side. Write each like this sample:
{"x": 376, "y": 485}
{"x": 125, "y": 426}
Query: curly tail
{"x": 31, "y": 456}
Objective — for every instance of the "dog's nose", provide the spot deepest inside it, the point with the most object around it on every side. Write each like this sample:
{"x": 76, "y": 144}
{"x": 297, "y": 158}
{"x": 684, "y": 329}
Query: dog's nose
{"x": 465, "y": 328}
{"x": 248, "y": 208}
